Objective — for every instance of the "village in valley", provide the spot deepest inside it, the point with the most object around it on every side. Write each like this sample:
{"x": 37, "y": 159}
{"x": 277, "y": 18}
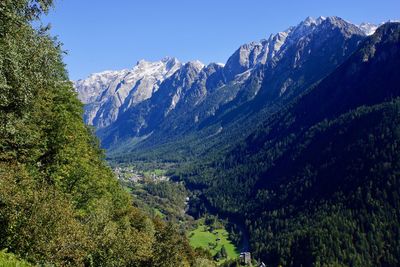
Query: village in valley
{"x": 154, "y": 191}
{"x": 132, "y": 175}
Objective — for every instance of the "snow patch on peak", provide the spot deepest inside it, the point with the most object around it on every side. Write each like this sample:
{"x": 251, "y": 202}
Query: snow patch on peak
{"x": 158, "y": 68}
{"x": 368, "y": 28}
{"x": 310, "y": 21}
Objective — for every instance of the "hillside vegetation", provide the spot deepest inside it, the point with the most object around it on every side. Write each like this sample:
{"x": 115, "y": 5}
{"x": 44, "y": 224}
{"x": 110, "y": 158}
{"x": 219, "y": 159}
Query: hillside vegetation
{"x": 60, "y": 203}
{"x": 317, "y": 183}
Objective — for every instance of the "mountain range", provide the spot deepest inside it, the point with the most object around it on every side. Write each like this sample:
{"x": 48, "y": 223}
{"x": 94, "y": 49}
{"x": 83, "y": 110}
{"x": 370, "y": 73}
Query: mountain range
{"x": 167, "y": 98}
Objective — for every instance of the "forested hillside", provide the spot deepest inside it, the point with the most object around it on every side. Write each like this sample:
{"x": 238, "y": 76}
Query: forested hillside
{"x": 317, "y": 183}
{"x": 333, "y": 198}
{"x": 60, "y": 204}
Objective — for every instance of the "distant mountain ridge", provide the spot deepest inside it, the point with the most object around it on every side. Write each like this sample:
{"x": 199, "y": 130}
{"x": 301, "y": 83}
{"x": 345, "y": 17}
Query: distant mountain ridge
{"x": 128, "y": 103}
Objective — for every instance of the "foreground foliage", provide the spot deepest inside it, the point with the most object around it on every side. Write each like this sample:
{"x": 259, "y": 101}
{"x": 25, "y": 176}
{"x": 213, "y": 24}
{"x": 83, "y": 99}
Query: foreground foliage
{"x": 59, "y": 201}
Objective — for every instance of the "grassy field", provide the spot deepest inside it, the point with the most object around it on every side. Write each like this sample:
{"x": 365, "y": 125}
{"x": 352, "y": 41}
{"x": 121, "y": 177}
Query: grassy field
{"x": 10, "y": 260}
{"x": 156, "y": 172}
{"x": 212, "y": 241}
{"x": 128, "y": 189}
{"x": 157, "y": 212}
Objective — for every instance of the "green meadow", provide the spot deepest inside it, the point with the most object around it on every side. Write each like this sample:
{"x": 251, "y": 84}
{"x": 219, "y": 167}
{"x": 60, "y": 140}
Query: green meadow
{"x": 213, "y": 240}
{"x": 10, "y": 260}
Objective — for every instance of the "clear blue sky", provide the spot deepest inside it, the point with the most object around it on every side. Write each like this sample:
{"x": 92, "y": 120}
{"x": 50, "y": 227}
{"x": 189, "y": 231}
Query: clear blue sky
{"x": 102, "y": 34}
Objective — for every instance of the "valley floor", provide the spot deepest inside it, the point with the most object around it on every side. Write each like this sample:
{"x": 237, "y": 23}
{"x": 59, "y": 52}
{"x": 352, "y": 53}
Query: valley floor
{"x": 154, "y": 192}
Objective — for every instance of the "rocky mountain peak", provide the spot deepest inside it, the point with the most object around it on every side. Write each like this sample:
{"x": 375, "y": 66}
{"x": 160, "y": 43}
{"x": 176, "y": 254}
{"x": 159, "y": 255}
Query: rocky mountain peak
{"x": 107, "y": 93}
{"x": 194, "y": 65}
{"x": 252, "y": 54}
{"x": 346, "y": 27}
{"x": 90, "y": 88}
{"x": 310, "y": 21}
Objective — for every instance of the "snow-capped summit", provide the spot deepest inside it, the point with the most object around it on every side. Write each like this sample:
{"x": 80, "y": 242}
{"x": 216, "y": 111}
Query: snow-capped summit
{"x": 309, "y": 21}
{"x": 106, "y": 93}
{"x": 90, "y": 88}
{"x": 305, "y": 27}
{"x": 368, "y": 28}
{"x": 160, "y": 68}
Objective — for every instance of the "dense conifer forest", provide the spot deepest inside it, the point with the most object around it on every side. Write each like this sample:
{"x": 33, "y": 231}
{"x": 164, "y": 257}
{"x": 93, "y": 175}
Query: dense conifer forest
{"x": 318, "y": 183}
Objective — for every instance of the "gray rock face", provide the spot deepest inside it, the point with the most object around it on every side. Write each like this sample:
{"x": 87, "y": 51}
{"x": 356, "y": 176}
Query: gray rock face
{"x": 107, "y": 94}
{"x": 250, "y": 55}
{"x": 143, "y": 118}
